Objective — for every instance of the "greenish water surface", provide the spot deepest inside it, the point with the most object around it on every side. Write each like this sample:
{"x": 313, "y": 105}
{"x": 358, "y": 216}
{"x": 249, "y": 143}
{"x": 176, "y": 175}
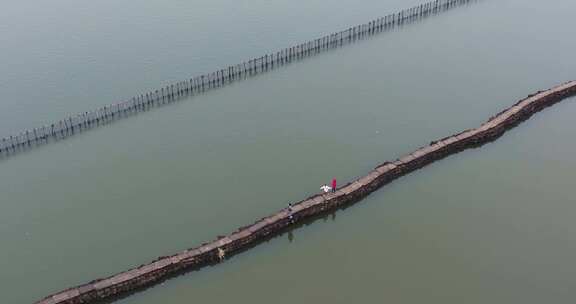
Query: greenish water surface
{"x": 490, "y": 225}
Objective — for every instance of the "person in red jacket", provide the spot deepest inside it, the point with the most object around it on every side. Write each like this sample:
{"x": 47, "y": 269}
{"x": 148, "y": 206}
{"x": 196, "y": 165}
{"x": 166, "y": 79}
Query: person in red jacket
{"x": 333, "y": 185}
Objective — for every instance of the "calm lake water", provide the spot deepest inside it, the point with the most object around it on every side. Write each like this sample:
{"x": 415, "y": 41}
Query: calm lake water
{"x": 491, "y": 225}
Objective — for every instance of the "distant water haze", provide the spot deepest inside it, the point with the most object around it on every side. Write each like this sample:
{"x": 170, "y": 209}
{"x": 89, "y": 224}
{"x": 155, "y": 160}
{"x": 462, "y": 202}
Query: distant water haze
{"x": 491, "y": 225}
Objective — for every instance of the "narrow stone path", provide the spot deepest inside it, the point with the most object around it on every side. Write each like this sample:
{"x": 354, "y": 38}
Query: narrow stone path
{"x": 246, "y": 237}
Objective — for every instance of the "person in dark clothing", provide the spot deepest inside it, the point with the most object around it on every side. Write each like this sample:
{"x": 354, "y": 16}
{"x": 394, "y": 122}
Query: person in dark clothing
{"x": 290, "y": 216}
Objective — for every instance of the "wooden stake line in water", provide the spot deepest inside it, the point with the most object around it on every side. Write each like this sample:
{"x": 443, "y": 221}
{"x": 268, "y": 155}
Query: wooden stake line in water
{"x": 55, "y": 131}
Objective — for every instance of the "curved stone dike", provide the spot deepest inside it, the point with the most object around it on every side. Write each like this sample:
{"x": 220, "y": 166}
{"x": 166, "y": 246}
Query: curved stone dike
{"x": 246, "y": 237}
{"x": 82, "y": 122}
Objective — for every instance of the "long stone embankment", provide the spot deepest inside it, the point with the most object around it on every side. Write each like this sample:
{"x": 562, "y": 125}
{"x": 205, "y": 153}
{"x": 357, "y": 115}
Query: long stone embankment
{"x": 82, "y": 122}
{"x": 246, "y": 237}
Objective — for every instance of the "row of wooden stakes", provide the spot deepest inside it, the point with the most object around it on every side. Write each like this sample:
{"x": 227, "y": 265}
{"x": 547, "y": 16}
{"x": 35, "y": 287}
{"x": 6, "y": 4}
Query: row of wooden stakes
{"x": 80, "y": 122}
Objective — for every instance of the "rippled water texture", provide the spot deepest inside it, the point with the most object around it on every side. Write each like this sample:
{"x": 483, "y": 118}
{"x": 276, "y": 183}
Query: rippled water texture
{"x": 492, "y": 225}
